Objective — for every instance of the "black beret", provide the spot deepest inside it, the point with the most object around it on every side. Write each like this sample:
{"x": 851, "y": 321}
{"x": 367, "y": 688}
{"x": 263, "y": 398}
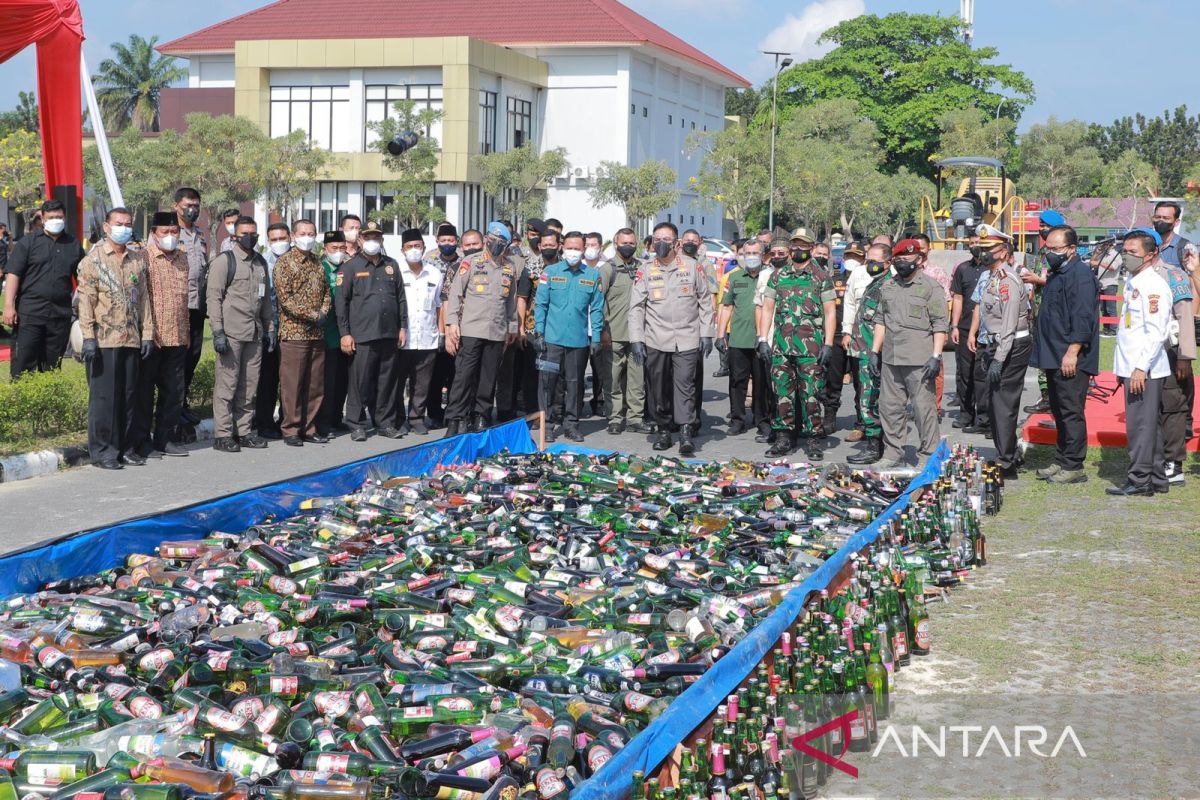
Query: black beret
{"x": 535, "y": 224}
{"x": 163, "y": 218}
{"x": 334, "y": 236}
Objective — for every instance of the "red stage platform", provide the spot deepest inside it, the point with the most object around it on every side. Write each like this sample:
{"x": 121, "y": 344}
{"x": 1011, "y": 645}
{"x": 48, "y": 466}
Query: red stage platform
{"x": 1105, "y": 419}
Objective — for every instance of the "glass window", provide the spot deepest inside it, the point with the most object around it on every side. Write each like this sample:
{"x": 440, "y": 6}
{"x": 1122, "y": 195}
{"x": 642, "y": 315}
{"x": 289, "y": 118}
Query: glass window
{"x": 487, "y": 121}
{"x": 520, "y": 122}
{"x": 381, "y": 100}
{"x": 311, "y": 109}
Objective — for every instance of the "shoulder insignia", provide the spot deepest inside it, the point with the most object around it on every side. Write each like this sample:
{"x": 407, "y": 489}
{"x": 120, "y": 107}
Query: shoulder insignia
{"x": 1153, "y": 300}
{"x": 1004, "y": 294}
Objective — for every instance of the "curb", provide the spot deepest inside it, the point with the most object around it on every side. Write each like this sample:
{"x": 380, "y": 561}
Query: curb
{"x": 46, "y": 462}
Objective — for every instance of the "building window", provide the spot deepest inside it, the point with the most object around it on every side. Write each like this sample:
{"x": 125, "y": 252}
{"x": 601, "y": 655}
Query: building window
{"x": 670, "y": 119}
{"x": 487, "y": 121}
{"x": 693, "y": 126}
{"x": 326, "y": 204}
{"x": 632, "y": 108}
{"x": 381, "y": 102}
{"x": 312, "y": 109}
{"x": 645, "y": 111}
{"x": 520, "y": 122}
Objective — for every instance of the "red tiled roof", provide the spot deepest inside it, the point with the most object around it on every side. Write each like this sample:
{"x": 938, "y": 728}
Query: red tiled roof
{"x": 575, "y": 22}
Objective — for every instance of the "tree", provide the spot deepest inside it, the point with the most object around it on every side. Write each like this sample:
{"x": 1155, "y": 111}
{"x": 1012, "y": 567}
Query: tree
{"x": 225, "y": 161}
{"x": 1129, "y": 176}
{"x": 294, "y": 166}
{"x": 21, "y": 175}
{"x": 642, "y": 191}
{"x": 521, "y": 175}
{"x": 733, "y": 171}
{"x": 891, "y": 203}
{"x": 1170, "y": 144}
{"x": 412, "y": 188}
{"x": 128, "y": 86}
{"x": 742, "y": 102}
{"x": 970, "y": 132}
{"x": 1058, "y": 164}
{"x": 22, "y": 118}
{"x": 904, "y": 70}
{"x": 147, "y": 168}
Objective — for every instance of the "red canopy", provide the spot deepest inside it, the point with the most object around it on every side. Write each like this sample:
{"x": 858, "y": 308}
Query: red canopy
{"x": 57, "y": 28}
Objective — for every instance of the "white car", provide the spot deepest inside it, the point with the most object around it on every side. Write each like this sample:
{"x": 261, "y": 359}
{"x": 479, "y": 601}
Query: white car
{"x": 718, "y": 249}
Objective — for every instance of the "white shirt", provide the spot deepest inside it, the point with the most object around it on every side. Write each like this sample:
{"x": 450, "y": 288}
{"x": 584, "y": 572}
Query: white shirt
{"x": 856, "y": 286}
{"x": 1142, "y": 330}
{"x": 423, "y": 293}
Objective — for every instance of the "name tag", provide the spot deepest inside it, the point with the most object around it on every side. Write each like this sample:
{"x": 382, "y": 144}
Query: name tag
{"x": 558, "y": 279}
{"x": 585, "y": 282}
{"x": 362, "y": 274}
{"x": 262, "y": 290}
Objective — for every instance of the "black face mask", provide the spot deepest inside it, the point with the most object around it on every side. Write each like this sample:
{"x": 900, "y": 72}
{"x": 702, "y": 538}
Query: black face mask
{"x": 248, "y": 241}
{"x": 876, "y": 267}
{"x": 472, "y": 251}
{"x": 1055, "y": 260}
{"x": 533, "y": 242}
{"x": 497, "y": 248}
{"x": 690, "y": 249}
{"x": 820, "y": 261}
{"x": 977, "y": 254}
{"x": 1162, "y": 227}
{"x": 779, "y": 263}
{"x": 904, "y": 267}
{"x": 626, "y": 251}
{"x": 663, "y": 249}
{"x": 800, "y": 256}
{"x": 986, "y": 259}
{"x": 447, "y": 250}
{"x": 191, "y": 214}
{"x": 549, "y": 254}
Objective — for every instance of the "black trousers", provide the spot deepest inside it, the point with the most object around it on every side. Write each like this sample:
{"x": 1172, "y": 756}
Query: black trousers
{"x": 1176, "y": 414}
{"x": 964, "y": 382}
{"x": 744, "y": 366}
{"x": 1147, "y": 464}
{"x": 196, "y": 319}
{"x": 416, "y": 373}
{"x": 835, "y": 374}
{"x": 1006, "y": 401}
{"x": 982, "y": 392}
{"x": 1067, "y": 398}
{"x": 268, "y": 392}
{"x": 572, "y": 365}
{"x": 337, "y": 382}
{"x": 112, "y": 390}
{"x": 373, "y": 377}
{"x": 154, "y": 422}
{"x": 671, "y": 386}
{"x": 474, "y": 377}
{"x": 517, "y": 382}
{"x": 38, "y": 344}
{"x": 441, "y": 380}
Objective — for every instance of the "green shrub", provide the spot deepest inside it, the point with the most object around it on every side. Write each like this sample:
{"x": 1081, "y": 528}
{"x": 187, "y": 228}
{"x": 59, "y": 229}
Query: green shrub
{"x": 44, "y": 404}
{"x": 200, "y": 394}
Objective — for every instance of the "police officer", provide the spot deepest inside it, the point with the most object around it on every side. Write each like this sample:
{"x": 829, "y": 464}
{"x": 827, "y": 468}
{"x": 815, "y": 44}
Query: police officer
{"x": 671, "y": 325}
{"x": 859, "y": 342}
{"x": 907, "y": 352}
{"x": 445, "y": 260}
{"x": 691, "y": 244}
{"x": 628, "y": 377}
{"x": 481, "y": 319}
{"x": 1005, "y": 313}
{"x": 118, "y": 331}
{"x": 517, "y": 379}
{"x": 568, "y": 322}
{"x": 372, "y": 318}
{"x": 243, "y": 325}
{"x": 801, "y": 305}
{"x": 740, "y": 315}
{"x": 962, "y": 288}
{"x": 194, "y": 245}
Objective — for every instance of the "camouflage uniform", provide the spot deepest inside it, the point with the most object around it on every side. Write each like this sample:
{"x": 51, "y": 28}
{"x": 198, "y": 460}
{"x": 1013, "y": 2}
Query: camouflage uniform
{"x": 800, "y": 298}
{"x": 862, "y": 341}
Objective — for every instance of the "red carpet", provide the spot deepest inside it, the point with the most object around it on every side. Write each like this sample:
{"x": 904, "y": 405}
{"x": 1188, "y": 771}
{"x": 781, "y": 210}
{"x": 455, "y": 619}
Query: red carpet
{"x": 1105, "y": 419}
{"x": 5, "y": 352}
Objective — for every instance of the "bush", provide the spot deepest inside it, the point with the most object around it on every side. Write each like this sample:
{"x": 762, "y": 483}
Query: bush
{"x": 200, "y": 394}
{"x": 44, "y": 404}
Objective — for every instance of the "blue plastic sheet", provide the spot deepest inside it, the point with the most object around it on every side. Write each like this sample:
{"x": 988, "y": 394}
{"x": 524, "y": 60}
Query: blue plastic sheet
{"x": 691, "y": 708}
{"x": 103, "y": 548}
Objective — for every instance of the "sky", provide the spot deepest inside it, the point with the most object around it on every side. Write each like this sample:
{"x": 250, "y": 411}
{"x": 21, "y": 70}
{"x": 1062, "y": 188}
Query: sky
{"x": 1094, "y": 60}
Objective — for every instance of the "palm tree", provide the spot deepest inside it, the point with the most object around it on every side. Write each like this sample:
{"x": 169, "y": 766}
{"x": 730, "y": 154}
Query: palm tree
{"x": 128, "y": 86}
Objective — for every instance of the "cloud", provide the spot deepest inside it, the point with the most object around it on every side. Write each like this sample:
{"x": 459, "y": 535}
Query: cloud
{"x": 798, "y": 34}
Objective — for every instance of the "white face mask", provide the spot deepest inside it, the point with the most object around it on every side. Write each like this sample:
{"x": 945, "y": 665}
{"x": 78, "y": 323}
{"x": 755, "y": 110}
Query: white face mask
{"x": 168, "y": 243}
{"x": 852, "y": 264}
{"x": 352, "y": 235}
{"x": 231, "y": 229}
{"x": 279, "y": 248}
{"x": 306, "y": 243}
{"x": 336, "y": 258}
{"x": 413, "y": 255}
{"x": 55, "y": 226}
{"x": 572, "y": 257}
{"x": 592, "y": 253}
{"x": 372, "y": 247}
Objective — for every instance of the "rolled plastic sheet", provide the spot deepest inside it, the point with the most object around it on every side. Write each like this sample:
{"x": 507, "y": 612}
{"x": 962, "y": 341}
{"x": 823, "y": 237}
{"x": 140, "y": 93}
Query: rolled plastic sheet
{"x": 99, "y": 549}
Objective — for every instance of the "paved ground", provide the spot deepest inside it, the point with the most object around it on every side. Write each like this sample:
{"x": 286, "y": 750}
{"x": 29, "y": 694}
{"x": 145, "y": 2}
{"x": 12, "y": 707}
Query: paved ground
{"x": 86, "y": 497}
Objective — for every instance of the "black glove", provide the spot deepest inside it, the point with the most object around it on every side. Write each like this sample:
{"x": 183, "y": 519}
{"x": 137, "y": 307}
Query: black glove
{"x": 147, "y": 349}
{"x": 595, "y": 349}
{"x": 994, "y": 372}
{"x": 706, "y": 345}
{"x": 722, "y": 344}
{"x": 875, "y": 365}
{"x": 220, "y": 343}
{"x": 825, "y": 355}
{"x": 90, "y": 351}
{"x": 539, "y": 343}
{"x": 764, "y": 350}
{"x": 639, "y": 353}
{"x": 932, "y": 367}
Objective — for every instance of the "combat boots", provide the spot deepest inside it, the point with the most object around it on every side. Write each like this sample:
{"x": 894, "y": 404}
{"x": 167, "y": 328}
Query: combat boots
{"x": 783, "y": 444}
{"x": 871, "y": 452}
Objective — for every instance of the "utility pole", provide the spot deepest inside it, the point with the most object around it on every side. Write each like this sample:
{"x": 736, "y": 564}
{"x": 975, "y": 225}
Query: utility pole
{"x": 966, "y": 9}
{"x": 774, "y": 127}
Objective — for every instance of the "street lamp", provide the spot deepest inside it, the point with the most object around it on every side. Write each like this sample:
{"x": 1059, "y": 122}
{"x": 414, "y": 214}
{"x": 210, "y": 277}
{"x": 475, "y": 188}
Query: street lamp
{"x": 779, "y": 66}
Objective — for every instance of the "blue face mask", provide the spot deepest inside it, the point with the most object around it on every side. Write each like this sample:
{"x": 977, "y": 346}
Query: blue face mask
{"x": 447, "y": 249}
{"x": 120, "y": 234}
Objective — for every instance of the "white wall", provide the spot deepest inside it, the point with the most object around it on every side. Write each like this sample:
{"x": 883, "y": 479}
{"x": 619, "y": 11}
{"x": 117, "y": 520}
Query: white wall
{"x": 206, "y": 72}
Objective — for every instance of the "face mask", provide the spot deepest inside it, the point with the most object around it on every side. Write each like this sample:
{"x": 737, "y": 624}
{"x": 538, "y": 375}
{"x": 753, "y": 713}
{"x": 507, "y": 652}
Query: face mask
{"x": 852, "y": 264}
{"x": 352, "y": 235}
{"x": 168, "y": 243}
{"x": 876, "y": 267}
{"x": 820, "y": 261}
{"x": 447, "y": 250}
{"x": 336, "y": 258}
{"x": 231, "y": 229}
{"x": 533, "y": 242}
{"x": 977, "y": 253}
{"x": 800, "y": 256}
{"x": 191, "y": 214}
{"x": 752, "y": 263}
{"x": 306, "y": 243}
{"x": 470, "y": 251}
{"x": 249, "y": 241}
{"x": 119, "y": 233}
{"x": 549, "y": 254}
{"x": 413, "y": 255}
{"x": 690, "y": 249}
{"x": 279, "y": 248}
{"x": 1055, "y": 260}
{"x": 497, "y": 248}
{"x": 1132, "y": 263}
{"x": 626, "y": 251}
{"x": 592, "y": 253}
{"x": 986, "y": 258}
{"x": 54, "y": 226}
{"x": 1162, "y": 228}
{"x": 572, "y": 257}
{"x": 779, "y": 263}
{"x": 372, "y": 247}
{"x": 663, "y": 249}
{"x": 904, "y": 267}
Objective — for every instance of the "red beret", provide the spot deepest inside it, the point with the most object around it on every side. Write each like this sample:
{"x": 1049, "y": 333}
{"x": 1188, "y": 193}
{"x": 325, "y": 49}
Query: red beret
{"x": 906, "y": 247}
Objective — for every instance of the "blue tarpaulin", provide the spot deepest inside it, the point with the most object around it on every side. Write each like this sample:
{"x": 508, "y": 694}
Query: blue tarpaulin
{"x": 98, "y": 549}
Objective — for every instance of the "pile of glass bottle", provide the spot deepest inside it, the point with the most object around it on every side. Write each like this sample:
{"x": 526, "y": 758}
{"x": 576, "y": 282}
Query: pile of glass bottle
{"x": 488, "y": 631}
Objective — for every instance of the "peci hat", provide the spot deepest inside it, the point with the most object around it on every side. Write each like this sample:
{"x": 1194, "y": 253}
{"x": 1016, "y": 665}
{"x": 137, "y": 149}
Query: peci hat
{"x": 447, "y": 229}
{"x": 536, "y": 224}
{"x": 411, "y": 235}
{"x": 162, "y": 219}
{"x": 372, "y": 228}
{"x": 334, "y": 236}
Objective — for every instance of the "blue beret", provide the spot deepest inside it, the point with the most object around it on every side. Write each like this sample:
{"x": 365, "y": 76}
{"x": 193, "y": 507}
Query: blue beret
{"x": 1150, "y": 232}
{"x": 1052, "y": 218}
{"x": 497, "y": 228}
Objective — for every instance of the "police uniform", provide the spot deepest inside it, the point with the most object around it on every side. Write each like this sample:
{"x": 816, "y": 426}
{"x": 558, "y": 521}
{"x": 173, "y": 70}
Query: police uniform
{"x": 482, "y": 302}
{"x": 1005, "y": 312}
{"x": 371, "y": 307}
{"x": 114, "y": 311}
{"x": 628, "y": 386}
{"x": 193, "y": 244}
{"x": 517, "y": 378}
{"x": 1175, "y": 415}
{"x": 670, "y": 312}
{"x": 569, "y": 316}
{"x": 443, "y": 363}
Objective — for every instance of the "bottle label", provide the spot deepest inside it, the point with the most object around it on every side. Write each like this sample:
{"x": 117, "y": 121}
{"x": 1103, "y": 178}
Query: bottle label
{"x": 88, "y": 623}
{"x": 51, "y": 774}
{"x": 281, "y": 638}
{"x": 49, "y": 656}
{"x": 155, "y": 660}
{"x": 285, "y": 684}
{"x": 636, "y": 701}
{"x": 549, "y": 784}
{"x": 267, "y": 718}
{"x": 332, "y": 703}
{"x": 463, "y": 596}
{"x": 858, "y": 727}
{"x": 223, "y": 720}
{"x": 146, "y": 707}
{"x": 509, "y": 618}
{"x": 639, "y": 619}
{"x": 300, "y": 566}
{"x": 333, "y": 762}
{"x": 563, "y": 731}
{"x": 924, "y": 635}
{"x": 418, "y": 712}
{"x": 597, "y": 757}
{"x": 118, "y": 691}
{"x": 281, "y": 585}
{"x": 456, "y": 704}
{"x": 219, "y": 661}
{"x": 363, "y": 701}
{"x": 900, "y": 643}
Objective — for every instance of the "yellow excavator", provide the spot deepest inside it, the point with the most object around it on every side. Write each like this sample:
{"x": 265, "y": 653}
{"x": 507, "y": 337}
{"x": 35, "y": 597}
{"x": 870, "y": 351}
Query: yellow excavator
{"x": 986, "y": 196}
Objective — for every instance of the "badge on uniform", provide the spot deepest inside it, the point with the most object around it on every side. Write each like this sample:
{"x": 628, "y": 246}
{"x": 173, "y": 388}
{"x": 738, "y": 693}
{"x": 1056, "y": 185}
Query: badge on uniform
{"x": 1153, "y": 303}
{"x": 480, "y": 288}
{"x": 685, "y": 289}
{"x": 558, "y": 279}
{"x": 586, "y": 282}
{"x": 338, "y": 282}
{"x": 388, "y": 269}
{"x": 1004, "y": 293}
{"x": 656, "y": 294}
{"x": 362, "y": 274}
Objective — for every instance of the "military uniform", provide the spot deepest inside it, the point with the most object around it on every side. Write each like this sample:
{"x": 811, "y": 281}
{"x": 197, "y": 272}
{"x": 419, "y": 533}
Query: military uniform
{"x": 628, "y": 387}
{"x": 670, "y": 311}
{"x": 114, "y": 311}
{"x": 304, "y": 304}
{"x": 1005, "y": 312}
{"x": 372, "y": 309}
{"x": 744, "y": 363}
{"x": 569, "y": 315}
{"x": 482, "y": 302}
{"x": 799, "y": 321}
{"x": 840, "y": 364}
{"x": 862, "y": 341}
{"x": 242, "y": 311}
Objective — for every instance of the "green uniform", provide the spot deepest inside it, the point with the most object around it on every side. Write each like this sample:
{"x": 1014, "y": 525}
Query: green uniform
{"x": 739, "y": 293}
{"x": 800, "y": 298}
{"x": 862, "y": 341}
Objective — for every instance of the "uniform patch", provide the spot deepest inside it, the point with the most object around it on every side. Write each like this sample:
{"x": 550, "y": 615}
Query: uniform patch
{"x": 362, "y": 274}
{"x": 1153, "y": 303}
{"x": 464, "y": 269}
{"x": 586, "y": 282}
{"x": 1004, "y": 293}
{"x": 388, "y": 269}
{"x": 338, "y": 282}
{"x": 558, "y": 279}
{"x": 685, "y": 289}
